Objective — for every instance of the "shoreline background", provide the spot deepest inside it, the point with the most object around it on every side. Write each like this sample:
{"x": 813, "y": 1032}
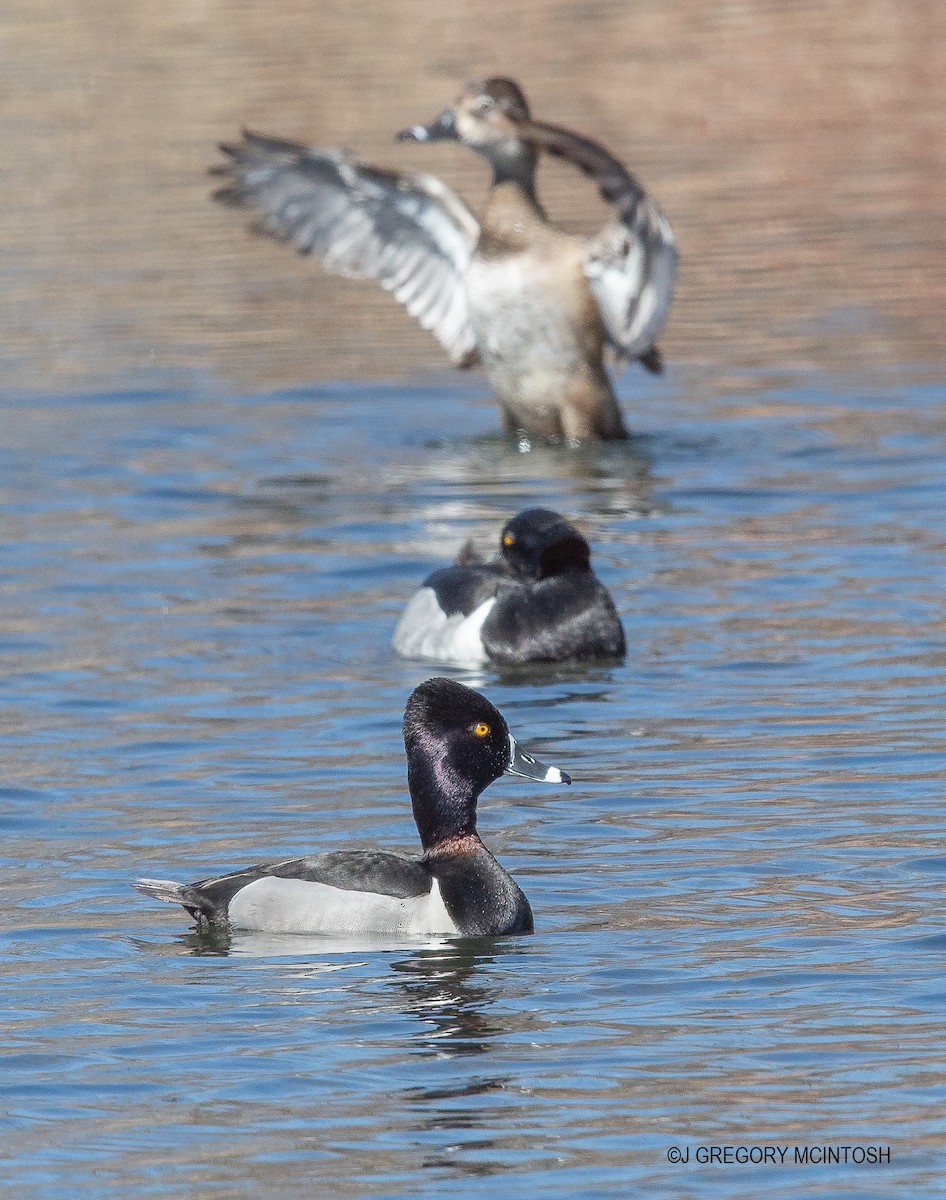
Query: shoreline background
{"x": 798, "y": 150}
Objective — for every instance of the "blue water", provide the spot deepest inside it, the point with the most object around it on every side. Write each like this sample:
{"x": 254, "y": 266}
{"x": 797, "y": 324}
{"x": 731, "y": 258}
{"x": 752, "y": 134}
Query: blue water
{"x": 739, "y": 917}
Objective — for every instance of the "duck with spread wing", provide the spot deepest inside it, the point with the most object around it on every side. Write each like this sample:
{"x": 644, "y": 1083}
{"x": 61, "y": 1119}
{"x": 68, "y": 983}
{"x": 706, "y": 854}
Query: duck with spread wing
{"x": 539, "y": 309}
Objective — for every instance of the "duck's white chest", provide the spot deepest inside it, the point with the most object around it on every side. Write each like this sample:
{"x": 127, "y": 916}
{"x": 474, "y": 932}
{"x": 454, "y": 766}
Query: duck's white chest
{"x": 525, "y": 316}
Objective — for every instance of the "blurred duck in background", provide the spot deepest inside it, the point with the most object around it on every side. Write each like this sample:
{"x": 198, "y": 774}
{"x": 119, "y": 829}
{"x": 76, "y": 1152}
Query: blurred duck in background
{"x": 537, "y": 308}
{"x": 537, "y": 601}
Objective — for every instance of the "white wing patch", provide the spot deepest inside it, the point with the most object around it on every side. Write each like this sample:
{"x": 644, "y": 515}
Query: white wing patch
{"x": 272, "y": 905}
{"x": 632, "y": 272}
{"x": 425, "y": 631}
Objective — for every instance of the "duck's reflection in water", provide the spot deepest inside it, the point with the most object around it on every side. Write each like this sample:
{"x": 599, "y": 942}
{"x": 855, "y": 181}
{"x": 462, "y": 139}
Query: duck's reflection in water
{"x": 447, "y": 989}
{"x": 441, "y": 979}
{"x": 490, "y": 478}
{"x": 453, "y": 991}
{"x": 249, "y": 943}
{"x": 458, "y": 1001}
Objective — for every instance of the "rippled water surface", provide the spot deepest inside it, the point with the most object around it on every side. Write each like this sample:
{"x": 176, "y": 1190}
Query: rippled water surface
{"x": 739, "y": 914}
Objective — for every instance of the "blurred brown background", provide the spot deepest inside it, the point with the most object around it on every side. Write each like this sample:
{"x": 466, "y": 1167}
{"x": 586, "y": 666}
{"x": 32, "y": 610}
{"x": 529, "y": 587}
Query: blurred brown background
{"x": 799, "y": 148}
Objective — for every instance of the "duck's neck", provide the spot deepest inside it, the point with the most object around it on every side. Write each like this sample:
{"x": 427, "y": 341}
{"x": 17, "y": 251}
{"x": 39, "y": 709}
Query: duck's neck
{"x": 444, "y": 803}
{"x": 514, "y": 164}
{"x": 512, "y": 218}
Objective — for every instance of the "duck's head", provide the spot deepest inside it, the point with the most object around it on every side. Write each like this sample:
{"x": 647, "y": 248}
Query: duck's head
{"x": 457, "y": 744}
{"x": 539, "y": 543}
{"x": 492, "y": 117}
{"x": 487, "y": 116}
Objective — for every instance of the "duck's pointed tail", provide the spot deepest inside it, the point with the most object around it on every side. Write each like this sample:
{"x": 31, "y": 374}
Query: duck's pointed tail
{"x": 178, "y": 893}
{"x": 164, "y": 889}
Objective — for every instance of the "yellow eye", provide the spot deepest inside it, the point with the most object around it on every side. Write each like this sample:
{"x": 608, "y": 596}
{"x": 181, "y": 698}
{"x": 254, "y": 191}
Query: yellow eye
{"x": 508, "y": 539}
{"x": 481, "y": 730}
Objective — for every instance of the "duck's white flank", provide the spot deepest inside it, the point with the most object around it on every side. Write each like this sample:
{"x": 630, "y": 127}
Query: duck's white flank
{"x": 425, "y": 631}
{"x": 272, "y": 905}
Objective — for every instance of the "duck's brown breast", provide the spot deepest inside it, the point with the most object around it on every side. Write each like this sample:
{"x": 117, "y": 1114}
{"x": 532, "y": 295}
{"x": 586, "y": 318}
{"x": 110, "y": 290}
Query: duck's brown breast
{"x": 534, "y": 318}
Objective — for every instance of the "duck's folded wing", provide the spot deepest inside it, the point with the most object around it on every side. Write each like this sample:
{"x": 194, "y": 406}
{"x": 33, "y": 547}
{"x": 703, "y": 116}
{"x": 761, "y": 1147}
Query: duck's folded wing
{"x": 410, "y": 232}
{"x": 375, "y": 871}
{"x": 462, "y": 589}
{"x": 443, "y": 619}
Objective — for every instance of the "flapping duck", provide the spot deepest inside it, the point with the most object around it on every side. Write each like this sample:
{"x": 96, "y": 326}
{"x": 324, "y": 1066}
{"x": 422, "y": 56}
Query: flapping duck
{"x": 537, "y": 308}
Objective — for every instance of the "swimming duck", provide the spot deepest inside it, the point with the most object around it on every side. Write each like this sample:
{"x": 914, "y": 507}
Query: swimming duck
{"x": 537, "y": 308}
{"x": 457, "y": 744}
{"x": 539, "y": 600}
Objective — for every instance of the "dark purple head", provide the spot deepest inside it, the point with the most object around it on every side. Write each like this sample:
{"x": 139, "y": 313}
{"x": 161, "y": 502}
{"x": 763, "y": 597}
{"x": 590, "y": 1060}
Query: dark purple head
{"x": 538, "y": 543}
{"x": 457, "y": 743}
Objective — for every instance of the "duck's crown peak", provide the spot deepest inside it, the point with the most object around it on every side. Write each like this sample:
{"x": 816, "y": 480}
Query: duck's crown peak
{"x": 440, "y": 706}
{"x": 503, "y": 92}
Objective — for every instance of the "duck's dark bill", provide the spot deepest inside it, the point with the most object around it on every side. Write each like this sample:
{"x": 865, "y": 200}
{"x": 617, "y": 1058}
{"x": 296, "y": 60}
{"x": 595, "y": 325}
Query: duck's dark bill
{"x": 444, "y": 128}
{"x": 530, "y": 768}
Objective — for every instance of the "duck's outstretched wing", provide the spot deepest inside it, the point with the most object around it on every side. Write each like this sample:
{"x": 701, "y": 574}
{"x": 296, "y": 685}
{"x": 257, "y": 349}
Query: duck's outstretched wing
{"x": 410, "y": 232}
{"x": 631, "y": 266}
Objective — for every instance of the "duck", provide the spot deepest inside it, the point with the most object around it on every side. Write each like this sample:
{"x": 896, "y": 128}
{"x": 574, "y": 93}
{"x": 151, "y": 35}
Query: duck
{"x": 539, "y": 309}
{"x": 457, "y": 743}
{"x": 538, "y": 601}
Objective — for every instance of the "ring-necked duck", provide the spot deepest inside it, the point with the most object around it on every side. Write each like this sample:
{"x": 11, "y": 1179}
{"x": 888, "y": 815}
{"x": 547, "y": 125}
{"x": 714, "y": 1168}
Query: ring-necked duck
{"x": 457, "y": 743}
{"x": 538, "y": 601}
{"x": 536, "y": 307}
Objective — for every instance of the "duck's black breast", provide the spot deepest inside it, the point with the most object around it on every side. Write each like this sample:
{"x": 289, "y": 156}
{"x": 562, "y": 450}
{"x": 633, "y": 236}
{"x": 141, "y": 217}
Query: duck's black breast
{"x": 570, "y": 616}
{"x": 481, "y": 898}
